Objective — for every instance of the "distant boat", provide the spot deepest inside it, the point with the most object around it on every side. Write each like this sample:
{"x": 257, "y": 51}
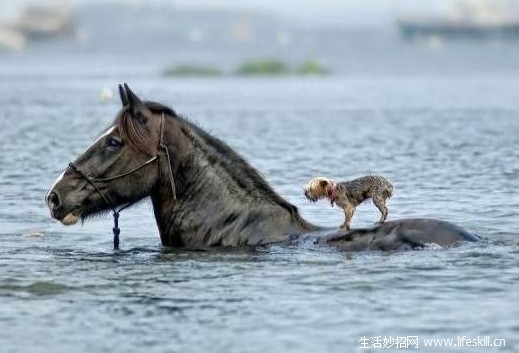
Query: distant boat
{"x": 36, "y": 22}
{"x": 468, "y": 19}
{"x": 41, "y": 22}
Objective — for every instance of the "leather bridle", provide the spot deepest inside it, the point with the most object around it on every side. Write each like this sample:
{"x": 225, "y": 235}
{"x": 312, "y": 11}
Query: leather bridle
{"x": 161, "y": 150}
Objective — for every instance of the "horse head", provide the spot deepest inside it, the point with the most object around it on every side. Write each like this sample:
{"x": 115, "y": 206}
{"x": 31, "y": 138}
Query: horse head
{"x": 120, "y": 168}
{"x": 219, "y": 198}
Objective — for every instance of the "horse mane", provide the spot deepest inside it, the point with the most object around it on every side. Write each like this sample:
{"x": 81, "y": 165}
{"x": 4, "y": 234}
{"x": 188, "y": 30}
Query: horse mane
{"x": 246, "y": 176}
{"x": 135, "y": 134}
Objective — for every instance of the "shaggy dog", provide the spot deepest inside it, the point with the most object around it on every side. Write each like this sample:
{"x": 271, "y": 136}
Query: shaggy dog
{"x": 350, "y": 194}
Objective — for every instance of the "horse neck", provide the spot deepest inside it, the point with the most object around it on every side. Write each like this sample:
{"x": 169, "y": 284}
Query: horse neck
{"x": 212, "y": 198}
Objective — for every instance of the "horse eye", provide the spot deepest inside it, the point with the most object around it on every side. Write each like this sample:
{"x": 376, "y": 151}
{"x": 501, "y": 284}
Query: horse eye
{"x": 113, "y": 142}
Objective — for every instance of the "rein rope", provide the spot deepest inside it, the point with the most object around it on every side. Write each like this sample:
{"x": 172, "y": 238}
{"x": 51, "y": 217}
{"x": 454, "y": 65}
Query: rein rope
{"x": 162, "y": 150}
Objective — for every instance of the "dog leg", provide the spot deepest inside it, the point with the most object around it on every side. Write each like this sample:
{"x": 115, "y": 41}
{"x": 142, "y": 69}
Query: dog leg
{"x": 348, "y": 214}
{"x": 380, "y": 203}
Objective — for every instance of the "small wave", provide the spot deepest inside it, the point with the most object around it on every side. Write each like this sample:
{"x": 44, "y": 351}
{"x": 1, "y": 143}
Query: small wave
{"x": 36, "y": 288}
{"x": 432, "y": 246}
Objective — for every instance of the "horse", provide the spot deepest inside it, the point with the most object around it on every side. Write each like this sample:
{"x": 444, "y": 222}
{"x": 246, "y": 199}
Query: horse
{"x": 203, "y": 193}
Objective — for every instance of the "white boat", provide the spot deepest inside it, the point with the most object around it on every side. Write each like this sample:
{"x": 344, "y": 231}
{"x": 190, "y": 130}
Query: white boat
{"x": 44, "y": 21}
{"x": 36, "y": 22}
{"x": 467, "y": 18}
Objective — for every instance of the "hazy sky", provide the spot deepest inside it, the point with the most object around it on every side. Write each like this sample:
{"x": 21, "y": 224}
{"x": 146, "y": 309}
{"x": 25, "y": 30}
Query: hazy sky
{"x": 333, "y": 12}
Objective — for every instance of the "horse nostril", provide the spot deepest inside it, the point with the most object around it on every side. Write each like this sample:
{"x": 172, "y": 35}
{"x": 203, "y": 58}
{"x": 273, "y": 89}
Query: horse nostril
{"x": 53, "y": 200}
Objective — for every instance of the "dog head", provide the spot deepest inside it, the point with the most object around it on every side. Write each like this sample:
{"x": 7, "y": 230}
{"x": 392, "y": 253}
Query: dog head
{"x": 318, "y": 188}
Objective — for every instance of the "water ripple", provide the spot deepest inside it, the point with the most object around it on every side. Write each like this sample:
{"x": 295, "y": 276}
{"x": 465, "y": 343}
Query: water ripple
{"x": 448, "y": 159}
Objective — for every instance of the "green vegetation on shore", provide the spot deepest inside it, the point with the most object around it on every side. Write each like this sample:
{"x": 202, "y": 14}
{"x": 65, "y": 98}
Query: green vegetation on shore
{"x": 263, "y": 68}
{"x": 312, "y": 67}
{"x": 251, "y": 68}
{"x": 192, "y": 70}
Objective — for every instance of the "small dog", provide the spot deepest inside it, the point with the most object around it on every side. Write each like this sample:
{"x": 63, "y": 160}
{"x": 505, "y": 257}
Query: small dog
{"x": 350, "y": 194}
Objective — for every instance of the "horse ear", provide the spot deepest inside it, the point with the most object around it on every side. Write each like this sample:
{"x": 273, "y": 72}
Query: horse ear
{"x": 137, "y": 108}
{"x": 124, "y": 97}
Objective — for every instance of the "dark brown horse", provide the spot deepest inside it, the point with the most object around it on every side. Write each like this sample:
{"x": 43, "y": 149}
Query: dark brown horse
{"x": 203, "y": 193}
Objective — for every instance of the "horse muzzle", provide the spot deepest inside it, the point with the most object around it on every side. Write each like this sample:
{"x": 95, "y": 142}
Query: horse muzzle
{"x": 69, "y": 219}
{"x": 57, "y": 211}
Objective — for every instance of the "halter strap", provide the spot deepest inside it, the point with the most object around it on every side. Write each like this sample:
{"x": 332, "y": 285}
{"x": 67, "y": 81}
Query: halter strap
{"x": 102, "y": 180}
{"x": 162, "y": 149}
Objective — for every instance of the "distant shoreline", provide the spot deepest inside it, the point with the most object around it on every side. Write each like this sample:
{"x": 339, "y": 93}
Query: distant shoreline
{"x": 250, "y": 68}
